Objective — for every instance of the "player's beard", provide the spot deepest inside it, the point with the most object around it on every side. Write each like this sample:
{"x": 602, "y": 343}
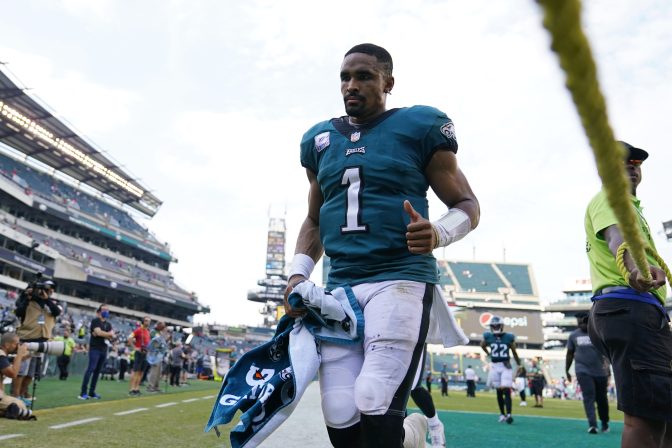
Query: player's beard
{"x": 356, "y": 110}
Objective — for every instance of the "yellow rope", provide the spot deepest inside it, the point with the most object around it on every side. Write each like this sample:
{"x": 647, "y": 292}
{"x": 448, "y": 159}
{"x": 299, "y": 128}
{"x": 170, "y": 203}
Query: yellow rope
{"x": 562, "y": 18}
{"x": 620, "y": 262}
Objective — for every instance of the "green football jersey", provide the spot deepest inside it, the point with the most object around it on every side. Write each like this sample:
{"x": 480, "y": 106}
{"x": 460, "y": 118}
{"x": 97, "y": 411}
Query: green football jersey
{"x": 365, "y": 173}
{"x": 500, "y": 344}
{"x": 603, "y": 269}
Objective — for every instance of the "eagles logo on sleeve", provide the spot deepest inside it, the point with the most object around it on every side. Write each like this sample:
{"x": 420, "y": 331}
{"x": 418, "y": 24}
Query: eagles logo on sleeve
{"x": 448, "y": 130}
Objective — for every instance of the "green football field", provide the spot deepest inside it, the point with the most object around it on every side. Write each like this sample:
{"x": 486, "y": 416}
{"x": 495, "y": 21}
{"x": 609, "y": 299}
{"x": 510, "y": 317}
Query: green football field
{"x": 176, "y": 419}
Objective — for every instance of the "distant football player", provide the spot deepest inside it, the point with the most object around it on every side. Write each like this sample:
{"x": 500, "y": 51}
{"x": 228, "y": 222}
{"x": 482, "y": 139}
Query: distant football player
{"x": 423, "y": 399}
{"x": 497, "y": 344}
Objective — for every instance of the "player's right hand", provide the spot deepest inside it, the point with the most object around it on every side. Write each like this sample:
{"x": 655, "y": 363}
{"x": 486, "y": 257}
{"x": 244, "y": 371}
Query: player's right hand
{"x": 639, "y": 283}
{"x": 293, "y": 281}
{"x": 420, "y": 237}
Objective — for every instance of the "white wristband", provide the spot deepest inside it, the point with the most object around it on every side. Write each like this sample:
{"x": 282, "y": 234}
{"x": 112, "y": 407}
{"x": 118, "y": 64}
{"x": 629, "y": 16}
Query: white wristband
{"x": 451, "y": 227}
{"x": 302, "y": 264}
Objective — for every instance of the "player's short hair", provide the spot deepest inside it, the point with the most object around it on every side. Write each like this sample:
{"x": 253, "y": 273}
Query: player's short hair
{"x": 382, "y": 55}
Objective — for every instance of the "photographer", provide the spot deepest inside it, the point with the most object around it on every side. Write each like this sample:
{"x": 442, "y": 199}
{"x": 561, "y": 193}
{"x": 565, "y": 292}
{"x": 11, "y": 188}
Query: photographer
{"x": 11, "y": 407}
{"x": 101, "y": 335}
{"x": 37, "y": 311}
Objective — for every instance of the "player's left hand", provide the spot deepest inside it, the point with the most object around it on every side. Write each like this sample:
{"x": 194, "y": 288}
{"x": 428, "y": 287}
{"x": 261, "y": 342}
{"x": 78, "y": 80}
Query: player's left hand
{"x": 420, "y": 236}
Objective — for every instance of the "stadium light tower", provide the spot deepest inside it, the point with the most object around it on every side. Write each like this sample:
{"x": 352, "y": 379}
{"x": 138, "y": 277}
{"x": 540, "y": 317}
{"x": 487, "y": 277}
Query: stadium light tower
{"x": 667, "y": 227}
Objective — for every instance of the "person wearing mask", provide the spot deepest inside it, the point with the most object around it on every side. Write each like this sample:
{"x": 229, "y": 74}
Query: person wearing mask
{"x": 101, "y": 335}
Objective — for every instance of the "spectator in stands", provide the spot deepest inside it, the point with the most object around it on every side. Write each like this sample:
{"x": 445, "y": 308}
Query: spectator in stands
{"x": 11, "y": 407}
{"x": 63, "y": 361}
{"x": 101, "y": 335}
{"x": 139, "y": 340}
{"x": 38, "y": 312}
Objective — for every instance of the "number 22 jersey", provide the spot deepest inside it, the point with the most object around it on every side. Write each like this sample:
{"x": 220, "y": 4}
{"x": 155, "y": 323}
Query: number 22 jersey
{"x": 365, "y": 173}
{"x": 500, "y": 344}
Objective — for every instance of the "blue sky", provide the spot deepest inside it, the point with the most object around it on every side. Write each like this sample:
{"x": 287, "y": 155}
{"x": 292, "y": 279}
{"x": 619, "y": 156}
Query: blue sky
{"x": 206, "y": 102}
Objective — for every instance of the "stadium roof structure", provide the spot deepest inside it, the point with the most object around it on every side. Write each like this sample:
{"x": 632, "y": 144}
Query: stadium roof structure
{"x": 29, "y": 127}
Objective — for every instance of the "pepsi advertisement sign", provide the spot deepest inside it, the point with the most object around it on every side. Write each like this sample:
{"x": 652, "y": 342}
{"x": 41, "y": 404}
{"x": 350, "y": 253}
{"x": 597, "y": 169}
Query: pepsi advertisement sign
{"x": 526, "y": 325}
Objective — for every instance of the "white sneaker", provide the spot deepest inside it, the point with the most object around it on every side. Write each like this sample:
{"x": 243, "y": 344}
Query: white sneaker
{"x": 415, "y": 430}
{"x": 437, "y": 435}
{"x": 502, "y": 418}
{"x": 523, "y": 403}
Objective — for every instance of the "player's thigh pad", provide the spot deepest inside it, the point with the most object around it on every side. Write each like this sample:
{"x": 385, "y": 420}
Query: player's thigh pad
{"x": 506, "y": 378}
{"x": 392, "y": 316}
{"x": 339, "y": 368}
{"x": 495, "y": 374}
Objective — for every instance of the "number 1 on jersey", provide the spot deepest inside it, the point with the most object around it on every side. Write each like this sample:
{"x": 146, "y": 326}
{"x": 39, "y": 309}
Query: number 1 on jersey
{"x": 352, "y": 178}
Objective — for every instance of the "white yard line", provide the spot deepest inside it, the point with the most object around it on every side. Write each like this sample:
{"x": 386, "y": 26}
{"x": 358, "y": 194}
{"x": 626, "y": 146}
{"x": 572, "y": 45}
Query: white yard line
{"x": 132, "y": 411}
{"x": 207, "y": 397}
{"x": 165, "y": 405}
{"x": 10, "y": 436}
{"x": 76, "y": 422}
{"x": 190, "y": 400}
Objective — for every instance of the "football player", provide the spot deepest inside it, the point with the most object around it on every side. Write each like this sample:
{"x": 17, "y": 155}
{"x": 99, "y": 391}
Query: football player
{"x": 497, "y": 344}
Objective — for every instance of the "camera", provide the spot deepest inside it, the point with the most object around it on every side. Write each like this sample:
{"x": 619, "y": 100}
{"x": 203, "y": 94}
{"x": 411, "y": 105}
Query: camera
{"x": 50, "y": 348}
{"x": 38, "y": 287}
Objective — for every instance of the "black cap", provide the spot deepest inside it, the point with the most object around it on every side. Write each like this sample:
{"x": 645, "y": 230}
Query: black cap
{"x": 581, "y": 315}
{"x": 634, "y": 153}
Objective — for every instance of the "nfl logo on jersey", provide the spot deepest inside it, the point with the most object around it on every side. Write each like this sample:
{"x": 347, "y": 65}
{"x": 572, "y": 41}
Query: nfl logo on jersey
{"x": 355, "y": 136}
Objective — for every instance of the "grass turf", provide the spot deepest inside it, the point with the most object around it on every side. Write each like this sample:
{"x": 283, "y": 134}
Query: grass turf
{"x": 469, "y": 423}
{"x": 176, "y": 425}
{"x": 487, "y": 402}
{"x": 52, "y": 393}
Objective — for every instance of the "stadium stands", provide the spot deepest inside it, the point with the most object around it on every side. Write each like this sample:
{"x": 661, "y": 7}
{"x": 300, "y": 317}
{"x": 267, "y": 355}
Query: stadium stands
{"x": 65, "y": 212}
{"x": 518, "y": 276}
{"x": 53, "y": 189}
{"x": 476, "y": 277}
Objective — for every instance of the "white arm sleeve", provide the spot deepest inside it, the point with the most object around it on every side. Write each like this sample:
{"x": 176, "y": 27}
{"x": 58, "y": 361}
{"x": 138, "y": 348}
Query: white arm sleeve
{"x": 451, "y": 227}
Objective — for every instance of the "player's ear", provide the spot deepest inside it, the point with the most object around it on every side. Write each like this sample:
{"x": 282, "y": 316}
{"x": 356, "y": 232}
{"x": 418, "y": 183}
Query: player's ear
{"x": 389, "y": 84}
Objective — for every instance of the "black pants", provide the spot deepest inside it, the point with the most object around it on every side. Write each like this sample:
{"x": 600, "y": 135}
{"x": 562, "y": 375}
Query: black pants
{"x": 62, "y": 362}
{"x": 444, "y": 387}
{"x": 175, "y": 375}
{"x": 471, "y": 388}
{"x": 123, "y": 367}
{"x": 594, "y": 390}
